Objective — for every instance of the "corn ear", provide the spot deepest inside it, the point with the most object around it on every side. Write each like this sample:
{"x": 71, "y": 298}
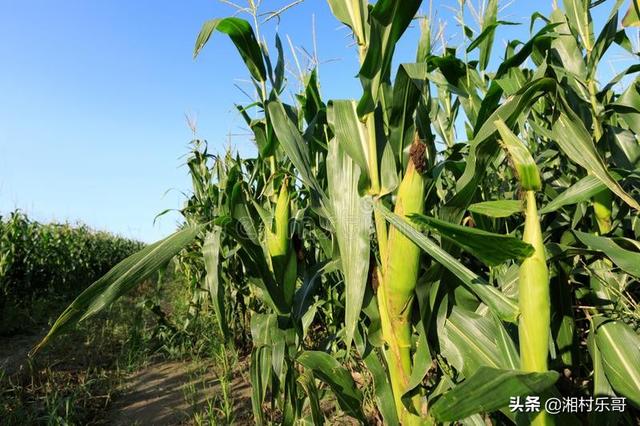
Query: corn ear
{"x": 533, "y": 279}
{"x": 278, "y": 235}
{"x": 534, "y": 294}
{"x": 400, "y": 274}
{"x": 283, "y": 258}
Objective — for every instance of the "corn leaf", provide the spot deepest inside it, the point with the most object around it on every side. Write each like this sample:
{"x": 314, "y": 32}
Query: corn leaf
{"x": 119, "y": 280}
{"x": 490, "y": 248}
{"x": 308, "y": 383}
{"x": 243, "y": 38}
{"x": 498, "y": 208}
{"x": 580, "y": 191}
{"x": 330, "y": 371}
{"x": 351, "y": 218}
{"x": 487, "y": 390}
{"x": 580, "y": 20}
{"x": 388, "y": 21}
{"x": 382, "y": 387}
{"x": 469, "y": 341}
{"x": 576, "y": 142}
{"x": 632, "y": 17}
{"x": 504, "y": 307}
{"x": 628, "y": 261}
{"x": 407, "y": 87}
{"x": 619, "y": 346}
{"x": 351, "y": 134}
{"x": 211, "y": 256}
{"x": 293, "y": 144}
{"x": 601, "y": 385}
{"x": 352, "y": 13}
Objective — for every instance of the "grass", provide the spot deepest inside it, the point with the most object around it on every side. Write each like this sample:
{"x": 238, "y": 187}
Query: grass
{"x": 76, "y": 379}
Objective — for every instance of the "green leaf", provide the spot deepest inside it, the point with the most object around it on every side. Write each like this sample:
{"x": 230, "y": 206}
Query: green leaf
{"x": 576, "y": 142}
{"x": 601, "y": 385}
{"x": 352, "y": 13}
{"x": 256, "y": 264}
{"x": 293, "y": 144}
{"x": 330, "y": 371}
{"x": 484, "y": 147}
{"x": 388, "y": 21}
{"x": 580, "y": 20}
{"x": 487, "y": 390}
{"x": 351, "y": 134}
{"x": 351, "y": 218}
{"x": 626, "y": 260}
{"x": 632, "y": 17}
{"x": 407, "y": 88}
{"x": 490, "y": 248}
{"x": 504, "y": 307}
{"x": 120, "y": 279}
{"x": 498, "y": 208}
{"x": 521, "y": 158}
{"x": 566, "y": 48}
{"x": 489, "y": 24}
{"x": 580, "y": 191}
{"x": 619, "y": 346}
{"x": 605, "y": 39}
{"x": 242, "y": 36}
{"x": 625, "y": 148}
{"x": 308, "y": 383}
{"x": 211, "y": 256}
{"x": 382, "y": 387}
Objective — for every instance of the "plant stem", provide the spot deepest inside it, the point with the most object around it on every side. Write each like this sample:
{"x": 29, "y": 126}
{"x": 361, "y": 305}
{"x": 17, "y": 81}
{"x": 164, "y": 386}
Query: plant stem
{"x": 602, "y": 200}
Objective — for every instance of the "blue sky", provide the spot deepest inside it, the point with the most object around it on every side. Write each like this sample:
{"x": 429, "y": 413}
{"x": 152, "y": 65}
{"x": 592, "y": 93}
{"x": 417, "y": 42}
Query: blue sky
{"x": 93, "y": 97}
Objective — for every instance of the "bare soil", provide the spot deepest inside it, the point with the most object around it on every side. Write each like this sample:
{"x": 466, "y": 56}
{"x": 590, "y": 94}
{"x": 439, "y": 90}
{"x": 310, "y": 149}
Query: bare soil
{"x": 168, "y": 393}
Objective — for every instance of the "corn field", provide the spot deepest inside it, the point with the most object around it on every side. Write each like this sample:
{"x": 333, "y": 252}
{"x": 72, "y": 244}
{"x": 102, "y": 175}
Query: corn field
{"x": 462, "y": 236}
{"x": 37, "y": 259}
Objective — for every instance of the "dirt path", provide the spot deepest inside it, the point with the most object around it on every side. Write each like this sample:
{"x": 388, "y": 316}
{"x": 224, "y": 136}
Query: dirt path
{"x": 14, "y": 351}
{"x": 169, "y": 393}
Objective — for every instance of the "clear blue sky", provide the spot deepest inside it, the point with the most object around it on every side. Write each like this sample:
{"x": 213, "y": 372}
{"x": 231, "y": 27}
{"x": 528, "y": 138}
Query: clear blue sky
{"x": 93, "y": 96}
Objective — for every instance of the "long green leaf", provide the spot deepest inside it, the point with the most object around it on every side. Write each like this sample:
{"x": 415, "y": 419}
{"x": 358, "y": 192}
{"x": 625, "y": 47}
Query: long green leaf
{"x": 576, "y": 142}
{"x": 580, "y": 191}
{"x": 330, "y": 371}
{"x": 626, "y": 260}
{"x": 580, "y": 20}
{"x": 487, "y": 390}
{"x": 619, "y": 346}
{"x": 351, "y": 218}
{"x": 352, "y": 13}
{"x": 293, "y": 144}
{"x": 119, "y": 280}
{"x": 211, "y": 256}
{"x": 242, "y": 36}
{"x": 490, "y": 248}
{"x": 497, "y": 208}
{"x": 504, "y": 307}
{"x": 389, "y": 19}
{"x": 351, "y": 134}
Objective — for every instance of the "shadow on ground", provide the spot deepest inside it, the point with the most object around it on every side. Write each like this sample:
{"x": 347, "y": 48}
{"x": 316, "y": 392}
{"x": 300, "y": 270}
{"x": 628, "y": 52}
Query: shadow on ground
{"x": 170, "y": 393}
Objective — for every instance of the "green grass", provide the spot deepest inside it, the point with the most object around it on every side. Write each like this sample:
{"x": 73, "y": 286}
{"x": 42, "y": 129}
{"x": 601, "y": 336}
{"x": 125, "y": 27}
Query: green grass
{"x": 75, "y": 380}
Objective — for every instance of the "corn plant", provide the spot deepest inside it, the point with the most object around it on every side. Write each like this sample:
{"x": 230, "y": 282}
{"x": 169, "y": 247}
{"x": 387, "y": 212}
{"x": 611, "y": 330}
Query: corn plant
{"x": 465, "y": 230}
